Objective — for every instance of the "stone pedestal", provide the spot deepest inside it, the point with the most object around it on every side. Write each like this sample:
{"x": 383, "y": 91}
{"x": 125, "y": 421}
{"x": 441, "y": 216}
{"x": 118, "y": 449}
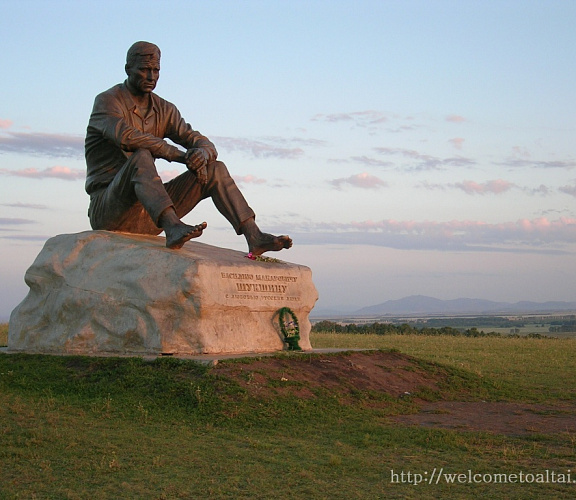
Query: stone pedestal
{"x": 99, "y": 292}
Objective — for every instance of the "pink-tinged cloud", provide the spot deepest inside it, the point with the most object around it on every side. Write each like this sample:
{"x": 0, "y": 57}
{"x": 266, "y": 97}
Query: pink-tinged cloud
{"x": 456, "y": 119}
{"x": 571, "y": 190}
{"x": 56, "y": 172}
{"x": 248, "y": 179}
{"x": 362, "y": 181}
{"x": 496, "y": 186}
{"x": 539, "y": 235}
{"x": 457, "y": 142}
{"x": 4, "y": 124}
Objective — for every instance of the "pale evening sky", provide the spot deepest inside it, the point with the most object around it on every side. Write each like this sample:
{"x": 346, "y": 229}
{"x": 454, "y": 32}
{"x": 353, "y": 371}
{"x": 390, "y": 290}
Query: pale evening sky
{"x": 408, "y": 147}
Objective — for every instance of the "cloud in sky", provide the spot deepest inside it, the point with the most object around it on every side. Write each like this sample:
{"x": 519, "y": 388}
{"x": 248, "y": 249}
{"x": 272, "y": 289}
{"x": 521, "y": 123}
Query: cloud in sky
{"x": 539, "y": 235}
{"x": 407, "y": 153}
{"x": 456, "y": 119}
{"x": 359, "y": 118}
{"x": 571, "y": 190}
{"x": 11, "y": 221}
{"x": 264, "y": 148}
{"x": 371, "y": 120}
{"x": 168, "y": 175}
{"x": 248, "y": 179}
{"x": 33, "y": 206}
{"x": 364, "y": 160}
{"x": 292, "y": 141}
{"x": 363, "y": 181}
{"x": 496, "y": 186}
{"x": 541, "y": 190}
{"x": 521, "y": 152}
{"x": 519, "y": 163}
{"x": 5, "y": 123}
{"x": 426, "y": 162}
{"x": 35, "y": 143}
{"x": 26, "y": 237}
{"x": 56, "y": 172}
{"x": 371, "y": 162}
{"x": 457, "y": 142}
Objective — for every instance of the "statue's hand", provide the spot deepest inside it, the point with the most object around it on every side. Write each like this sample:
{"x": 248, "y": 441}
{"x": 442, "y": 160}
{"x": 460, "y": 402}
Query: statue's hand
{"x": 202, "y": 175}
{"x": 196, "y": 160}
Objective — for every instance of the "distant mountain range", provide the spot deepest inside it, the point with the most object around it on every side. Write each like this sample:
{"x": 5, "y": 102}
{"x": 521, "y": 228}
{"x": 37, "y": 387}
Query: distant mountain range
{"x": 420, "y": 304}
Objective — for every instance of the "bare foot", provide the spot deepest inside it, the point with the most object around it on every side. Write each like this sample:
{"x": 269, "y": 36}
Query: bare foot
{"x": 265, "y": 242}
{"x": 179, "y": 233}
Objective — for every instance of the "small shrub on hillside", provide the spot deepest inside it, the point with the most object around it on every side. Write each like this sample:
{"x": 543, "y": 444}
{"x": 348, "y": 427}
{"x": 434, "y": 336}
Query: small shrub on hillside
{"x": 3, "y": 334}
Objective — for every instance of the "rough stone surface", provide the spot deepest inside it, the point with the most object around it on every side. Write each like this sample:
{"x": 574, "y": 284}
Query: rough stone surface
{"x": 103, "y": 292}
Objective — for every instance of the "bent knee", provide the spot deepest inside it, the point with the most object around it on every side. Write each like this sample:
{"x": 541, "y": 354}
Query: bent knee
{"x": 142, "y": 155}
{"x": 217, "y": 169}
{"x": 142, "y": 162}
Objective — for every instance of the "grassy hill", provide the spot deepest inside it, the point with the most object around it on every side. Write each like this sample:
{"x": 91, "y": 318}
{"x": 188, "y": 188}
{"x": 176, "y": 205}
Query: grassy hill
{"x": 294, "y": 425}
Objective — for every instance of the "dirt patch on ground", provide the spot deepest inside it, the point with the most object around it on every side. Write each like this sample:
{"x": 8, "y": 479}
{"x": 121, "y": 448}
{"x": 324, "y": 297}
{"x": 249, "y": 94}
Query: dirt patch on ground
{"x": 389, "y": 373}
{"x": 398, "y": 376}
{"x": 498, "y": 417}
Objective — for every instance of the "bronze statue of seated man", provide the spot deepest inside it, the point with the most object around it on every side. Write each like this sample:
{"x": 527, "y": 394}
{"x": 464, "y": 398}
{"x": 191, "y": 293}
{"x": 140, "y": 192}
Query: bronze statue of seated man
{"x": 126, "y": 133}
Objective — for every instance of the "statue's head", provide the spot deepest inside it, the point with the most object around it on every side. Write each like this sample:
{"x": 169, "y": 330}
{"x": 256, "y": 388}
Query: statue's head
{"x": 142, "y": 50}
{"x": 142, "y": 67}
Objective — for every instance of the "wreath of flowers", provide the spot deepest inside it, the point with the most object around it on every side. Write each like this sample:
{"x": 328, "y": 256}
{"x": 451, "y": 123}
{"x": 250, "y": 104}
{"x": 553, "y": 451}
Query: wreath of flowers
{"x": 289, "y": 328}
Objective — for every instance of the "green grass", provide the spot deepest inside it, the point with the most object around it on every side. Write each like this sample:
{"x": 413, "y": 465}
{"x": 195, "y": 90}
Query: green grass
{"x": 101, "y": 428}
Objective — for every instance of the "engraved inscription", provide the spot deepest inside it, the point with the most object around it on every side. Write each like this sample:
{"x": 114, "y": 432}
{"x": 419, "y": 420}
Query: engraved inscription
{"x": 265, "y": 287}
{"x": 257, "y": 287}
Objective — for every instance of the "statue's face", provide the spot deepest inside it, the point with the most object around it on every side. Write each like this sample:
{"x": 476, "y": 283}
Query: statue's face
{"x": 143, "y": 75}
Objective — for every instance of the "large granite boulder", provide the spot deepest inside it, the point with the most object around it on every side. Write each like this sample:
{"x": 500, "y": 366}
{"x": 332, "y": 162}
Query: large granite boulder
{"x": 102, "y": 292}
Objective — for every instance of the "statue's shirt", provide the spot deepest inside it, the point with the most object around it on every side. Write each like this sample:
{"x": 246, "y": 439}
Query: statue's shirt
{"x": 117, "y": 128}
